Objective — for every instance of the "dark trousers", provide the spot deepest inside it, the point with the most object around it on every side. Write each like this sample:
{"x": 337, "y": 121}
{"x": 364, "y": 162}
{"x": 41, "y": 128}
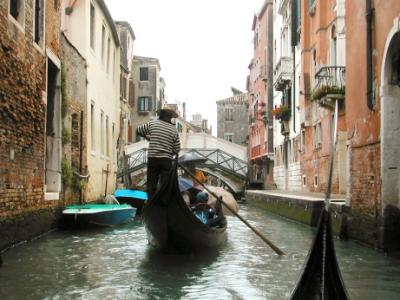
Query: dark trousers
{"x": 158, "y": 170}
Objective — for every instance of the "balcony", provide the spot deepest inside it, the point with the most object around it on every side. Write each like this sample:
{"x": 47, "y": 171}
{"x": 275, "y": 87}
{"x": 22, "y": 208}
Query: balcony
{"x": 330, "y": 86}
{"x": 283, "y": 73}
{"x": 256, "y": 151}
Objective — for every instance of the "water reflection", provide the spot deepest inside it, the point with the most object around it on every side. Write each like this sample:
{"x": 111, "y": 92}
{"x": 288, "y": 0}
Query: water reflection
{"x": 168, "y": 276}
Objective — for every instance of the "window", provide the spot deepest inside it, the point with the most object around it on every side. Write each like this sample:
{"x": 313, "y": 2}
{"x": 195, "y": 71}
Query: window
{"x": 228, "y": 137}
{"x": 114, "y": 153}
{"x": 17, "y": 10}
{"x": 395, "y": 71}
{"x": 228, "y": 114}
{"x": 75, "y": 141}
{"x": 303, "y": 141}
{"x": 113, "y": 66}
{"x": 131, "y": 93}
{"x": 123, "y": 87}
{"x": 107, "y": 138}
{"x": 144, "y": 104}
{"x": 103, "y": 43}
{"x": 102, "y": 133}
{"x": 92, "y": 132}
{"x": 92, "y": 26}
{"x": 317, "y": 135}
{"x": 74, "y": 130}
{"x": 311, "y": 7}
{"x": 56, "y": 2}
{"x": 144, "y": 74}
{"x": 179, "y": 127}
{"x": 125, "y": 130}
{"x": 315, "y": 180}
{"x": 108, "y": 54}
{"x": 38, "y": 22}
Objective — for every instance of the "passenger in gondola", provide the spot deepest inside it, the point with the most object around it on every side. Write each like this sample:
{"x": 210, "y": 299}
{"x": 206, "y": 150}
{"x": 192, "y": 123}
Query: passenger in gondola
{"x": 164, "y": 144}
{"x": 191, "y": 191}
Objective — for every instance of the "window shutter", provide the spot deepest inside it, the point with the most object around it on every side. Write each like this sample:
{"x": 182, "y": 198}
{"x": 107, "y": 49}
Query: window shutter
{"x": 41, "y": 18}
{"x": 150, "y": 103}
{"x": 140, "y": 103}
{"x": 14, "y": 8}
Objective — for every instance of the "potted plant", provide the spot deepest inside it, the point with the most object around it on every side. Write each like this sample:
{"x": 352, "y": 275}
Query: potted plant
{"x": 281, "y": 112}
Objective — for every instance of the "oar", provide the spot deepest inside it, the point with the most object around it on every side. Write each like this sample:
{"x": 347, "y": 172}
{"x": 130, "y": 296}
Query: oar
{"x": 275, "y": 248}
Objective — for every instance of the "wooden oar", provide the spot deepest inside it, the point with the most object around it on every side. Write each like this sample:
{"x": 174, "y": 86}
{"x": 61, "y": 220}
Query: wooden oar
{"x": 275, "y": 248}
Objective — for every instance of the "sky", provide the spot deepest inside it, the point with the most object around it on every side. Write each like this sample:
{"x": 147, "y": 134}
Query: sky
{"x": 204, "y": 46}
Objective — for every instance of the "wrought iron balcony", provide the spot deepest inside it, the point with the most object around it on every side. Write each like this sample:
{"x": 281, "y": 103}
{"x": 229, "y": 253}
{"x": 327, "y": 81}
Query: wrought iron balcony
{"x": 330, "y": 85}
{"x": 283, "y": 73}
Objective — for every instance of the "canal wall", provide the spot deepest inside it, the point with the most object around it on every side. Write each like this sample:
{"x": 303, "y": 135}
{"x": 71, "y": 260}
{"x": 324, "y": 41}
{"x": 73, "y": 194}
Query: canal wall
{"x": 303, "y": 208}
{"x": 27, "y": 226}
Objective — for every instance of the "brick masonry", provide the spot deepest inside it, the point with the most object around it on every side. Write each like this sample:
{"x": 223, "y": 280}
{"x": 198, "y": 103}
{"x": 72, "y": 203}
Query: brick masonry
{"x": 22, "y": 128}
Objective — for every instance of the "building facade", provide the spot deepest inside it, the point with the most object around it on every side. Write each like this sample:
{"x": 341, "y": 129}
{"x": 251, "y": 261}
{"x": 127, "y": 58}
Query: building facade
{"x": 90, "y": 29}
{"x": 286, "y": 115}
{"x": 30, "y": 118}
{"x": 373, "y": 120}
{"x": 323, "y": 70}
{"x": 232, "y": 118}
{"x": 260, "y": 87}
{"x": 127, "y": 100}
{"x": 149, "y": 94}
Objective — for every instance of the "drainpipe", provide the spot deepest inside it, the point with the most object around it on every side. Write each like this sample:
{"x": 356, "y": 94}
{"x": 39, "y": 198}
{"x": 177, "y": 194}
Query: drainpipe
{"x": 369, "y": 16}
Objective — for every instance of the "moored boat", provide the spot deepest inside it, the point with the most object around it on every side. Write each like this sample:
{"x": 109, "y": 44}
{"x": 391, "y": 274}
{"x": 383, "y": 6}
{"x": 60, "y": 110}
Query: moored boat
{"x": 136, "y": 198}
{"x": 98, "y": 214}
{"x": 172, "y": 225}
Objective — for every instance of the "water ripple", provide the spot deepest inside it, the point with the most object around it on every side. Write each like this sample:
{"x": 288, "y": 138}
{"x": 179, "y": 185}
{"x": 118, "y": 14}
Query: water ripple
{"x": 117, "y": 263}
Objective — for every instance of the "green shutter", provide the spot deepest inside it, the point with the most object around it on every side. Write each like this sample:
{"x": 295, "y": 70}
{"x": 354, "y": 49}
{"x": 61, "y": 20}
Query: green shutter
{"x": 150, "y": 103}
{"x": 139, "y": 106}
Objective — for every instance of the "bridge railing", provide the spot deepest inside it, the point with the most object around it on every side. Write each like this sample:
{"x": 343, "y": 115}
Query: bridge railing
{"x": 218, "y": 159}
{"x": 215, "y": 159}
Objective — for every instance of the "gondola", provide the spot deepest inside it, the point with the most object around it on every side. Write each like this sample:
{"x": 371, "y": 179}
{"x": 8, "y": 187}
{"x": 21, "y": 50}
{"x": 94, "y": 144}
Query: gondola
{"x": 172, "y": 226}
{"x": 321, "y": 277}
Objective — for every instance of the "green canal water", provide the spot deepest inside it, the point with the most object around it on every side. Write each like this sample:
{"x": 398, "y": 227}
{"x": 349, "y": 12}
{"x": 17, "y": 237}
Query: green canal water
{"x": 117, "y": 263}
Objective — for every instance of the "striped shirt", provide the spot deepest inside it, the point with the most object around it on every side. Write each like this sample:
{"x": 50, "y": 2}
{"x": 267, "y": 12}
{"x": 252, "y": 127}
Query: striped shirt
{"x": 164, "y": 138}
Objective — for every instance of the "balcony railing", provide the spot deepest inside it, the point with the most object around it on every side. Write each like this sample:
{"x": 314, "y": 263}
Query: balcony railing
{"x": 330, "y": 85}
{"x": 283, "y": 73}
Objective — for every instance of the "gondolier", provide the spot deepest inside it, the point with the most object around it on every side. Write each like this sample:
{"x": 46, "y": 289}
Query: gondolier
{"x": 164, "y": 144}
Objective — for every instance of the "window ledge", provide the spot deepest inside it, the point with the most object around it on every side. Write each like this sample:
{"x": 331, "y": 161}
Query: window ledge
{"x": 49, "y": 196}
{"x": 20, "y": 26}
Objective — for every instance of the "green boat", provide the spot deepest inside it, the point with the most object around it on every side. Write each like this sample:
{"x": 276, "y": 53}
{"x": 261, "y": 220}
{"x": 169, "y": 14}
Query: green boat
{"x": 99, "y": 214}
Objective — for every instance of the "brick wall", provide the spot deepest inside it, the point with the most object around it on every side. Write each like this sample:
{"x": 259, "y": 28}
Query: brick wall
{"x": 22, "y": 131}
{"x": 365, "y": 188}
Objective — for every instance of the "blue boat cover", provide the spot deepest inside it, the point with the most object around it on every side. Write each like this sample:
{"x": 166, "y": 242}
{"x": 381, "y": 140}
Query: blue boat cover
{"x": 137, "y": 194}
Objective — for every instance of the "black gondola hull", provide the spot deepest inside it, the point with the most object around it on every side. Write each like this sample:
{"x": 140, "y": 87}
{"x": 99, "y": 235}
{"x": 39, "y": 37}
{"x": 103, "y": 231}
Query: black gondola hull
{"x": 321, "y": 278}
{"x": 171, "y": 225}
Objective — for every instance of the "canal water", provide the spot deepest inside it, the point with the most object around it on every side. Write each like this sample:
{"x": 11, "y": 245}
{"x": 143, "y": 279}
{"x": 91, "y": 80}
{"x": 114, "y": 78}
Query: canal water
{"x": 117, "y": 263}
